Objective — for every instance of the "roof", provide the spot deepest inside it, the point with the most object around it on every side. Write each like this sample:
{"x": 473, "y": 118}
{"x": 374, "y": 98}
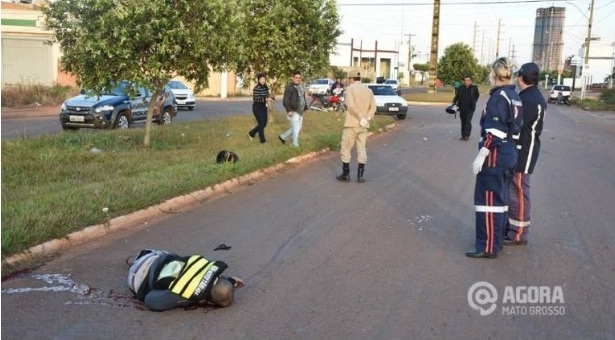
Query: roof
{"x": 22, "y": 7}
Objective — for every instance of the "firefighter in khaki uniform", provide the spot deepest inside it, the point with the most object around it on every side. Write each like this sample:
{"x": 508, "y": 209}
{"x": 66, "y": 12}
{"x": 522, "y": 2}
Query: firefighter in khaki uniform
{"x": 361, "y": 108}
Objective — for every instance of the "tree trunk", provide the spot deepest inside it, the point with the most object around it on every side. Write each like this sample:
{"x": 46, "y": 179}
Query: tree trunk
{"x": 270, "y": 109}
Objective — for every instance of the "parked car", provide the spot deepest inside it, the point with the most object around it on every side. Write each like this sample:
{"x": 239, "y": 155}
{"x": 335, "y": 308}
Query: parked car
{"x": 394, "y": 84}
{"x": 556, "y": 89}
{"x": 388, "y": 102}
{"x": 118, "y": 108}
{"x": 320, "y": 86}
{"x": 184, "y": 96}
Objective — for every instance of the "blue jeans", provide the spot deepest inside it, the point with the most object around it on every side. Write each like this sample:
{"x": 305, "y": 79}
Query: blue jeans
{"x": 296, "y": 121}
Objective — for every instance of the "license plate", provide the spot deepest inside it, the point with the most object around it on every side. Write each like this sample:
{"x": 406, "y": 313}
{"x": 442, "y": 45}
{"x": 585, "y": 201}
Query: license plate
{"x": 77, "y": 118}
{"x": 393, "y": 109}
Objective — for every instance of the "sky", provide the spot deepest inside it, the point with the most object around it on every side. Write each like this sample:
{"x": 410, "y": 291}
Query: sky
{"x": 393, "y": 20}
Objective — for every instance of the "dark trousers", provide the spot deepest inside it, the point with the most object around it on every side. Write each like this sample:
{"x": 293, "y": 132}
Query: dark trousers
{"x": 260, "y": 113}
{"x": 466, "y": 123}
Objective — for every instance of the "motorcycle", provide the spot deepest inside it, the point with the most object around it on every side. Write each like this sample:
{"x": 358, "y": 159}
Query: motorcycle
{"x": 324, "y": 103}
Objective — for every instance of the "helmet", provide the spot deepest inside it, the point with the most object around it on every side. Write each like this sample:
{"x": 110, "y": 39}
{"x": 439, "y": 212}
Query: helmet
{"x": 452, "y": 109}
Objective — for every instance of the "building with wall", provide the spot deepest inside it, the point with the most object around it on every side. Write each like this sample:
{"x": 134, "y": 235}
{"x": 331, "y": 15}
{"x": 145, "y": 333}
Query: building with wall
{"x": 27, "y": 58}
{"x": 373, "y": 58}
{"x": 548, "y": 37}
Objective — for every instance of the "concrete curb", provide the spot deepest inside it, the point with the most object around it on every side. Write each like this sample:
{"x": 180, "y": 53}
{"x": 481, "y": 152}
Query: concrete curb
{"x": 173, "y": 205}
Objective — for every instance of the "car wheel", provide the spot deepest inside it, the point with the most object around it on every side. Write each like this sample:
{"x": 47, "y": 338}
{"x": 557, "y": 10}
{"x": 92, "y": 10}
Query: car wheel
{"x": 69, "y": 128}
{"x": 401, "y": 116}
{"x": 122, "y": 121}
{"x": 167, "y": 116}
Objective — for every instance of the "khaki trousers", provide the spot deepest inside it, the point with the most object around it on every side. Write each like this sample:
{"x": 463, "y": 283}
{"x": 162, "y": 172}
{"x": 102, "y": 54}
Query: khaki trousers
{"x": 350, "y": 137}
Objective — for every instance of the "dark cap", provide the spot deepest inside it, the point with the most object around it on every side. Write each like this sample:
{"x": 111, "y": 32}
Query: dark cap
{"x": 529, "y": 73}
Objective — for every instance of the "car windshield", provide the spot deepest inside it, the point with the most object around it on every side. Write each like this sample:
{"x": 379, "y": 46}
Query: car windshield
{"x": 321, "y": 82}
{"x": 391, "y": 81}
{"x": 382, "y": 90}
{"x": 177, "y": 85}
{"x": 119, "y": 90}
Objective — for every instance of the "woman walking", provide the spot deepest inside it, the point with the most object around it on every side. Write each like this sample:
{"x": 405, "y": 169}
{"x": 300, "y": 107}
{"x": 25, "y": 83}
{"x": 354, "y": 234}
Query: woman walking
{"x": 260, "y": 93}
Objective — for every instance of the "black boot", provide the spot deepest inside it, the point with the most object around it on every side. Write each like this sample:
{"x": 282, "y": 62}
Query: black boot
{"x": 360, "y": 172}
{"x": 345, "y": 176}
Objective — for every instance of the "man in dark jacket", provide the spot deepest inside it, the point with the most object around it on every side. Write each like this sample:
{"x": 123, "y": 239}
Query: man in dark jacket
{"x": 465, "y": 98}
{"x": 528, "y": 146}
{"x": 295, "y": 104}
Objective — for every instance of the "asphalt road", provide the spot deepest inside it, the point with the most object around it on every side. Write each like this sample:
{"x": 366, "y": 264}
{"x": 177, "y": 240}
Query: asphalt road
{"x": 379, "y": 260}
{"x": 205, "y": 109}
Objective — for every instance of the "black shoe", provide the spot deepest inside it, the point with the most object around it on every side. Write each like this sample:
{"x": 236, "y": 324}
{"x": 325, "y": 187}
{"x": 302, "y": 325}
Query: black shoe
{"x": 343, "y": 177}
{"x": 462, "y": 138}
{"x": 480, "y": 254}
{"x": 511, "y": 242}
{"x": 281, "y": 140}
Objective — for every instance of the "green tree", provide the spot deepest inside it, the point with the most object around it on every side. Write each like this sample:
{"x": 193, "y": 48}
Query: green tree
{"x": 338, "y": 73}
{"x": 286, "y": 35}
{"x": 421, "y": 67}
{"x": 144, "y": 41}
{"x": 457, "y": 63}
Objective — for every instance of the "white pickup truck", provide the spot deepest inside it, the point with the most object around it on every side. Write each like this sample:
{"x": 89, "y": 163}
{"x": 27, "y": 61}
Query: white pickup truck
{"x": 320, "y": 86}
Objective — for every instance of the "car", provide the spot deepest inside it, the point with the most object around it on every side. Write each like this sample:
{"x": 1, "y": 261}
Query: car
{"x": 556, "y": 89}
{"x": 394, "y": 84}
{"x": 388, "y": 102}
{"x": 184, "y": 96}
{"x": 118, "y": 107}
{"x": 320, "y": 86}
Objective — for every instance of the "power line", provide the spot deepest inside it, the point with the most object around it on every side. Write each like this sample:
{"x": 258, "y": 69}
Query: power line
{"x": 451, "y": 3}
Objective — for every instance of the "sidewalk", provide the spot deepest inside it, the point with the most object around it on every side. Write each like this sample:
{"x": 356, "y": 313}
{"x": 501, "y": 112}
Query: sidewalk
{"x": 27, "y": 112}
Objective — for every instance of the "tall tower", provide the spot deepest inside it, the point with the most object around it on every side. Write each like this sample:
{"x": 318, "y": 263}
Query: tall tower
{"x": 548, "y": 42}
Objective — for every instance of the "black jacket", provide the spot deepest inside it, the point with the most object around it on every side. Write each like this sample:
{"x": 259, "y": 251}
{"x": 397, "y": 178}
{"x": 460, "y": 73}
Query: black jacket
{"x": 291, "y": 99}
{"x": 466, "y": 97}
{"x": 534, "y": 108}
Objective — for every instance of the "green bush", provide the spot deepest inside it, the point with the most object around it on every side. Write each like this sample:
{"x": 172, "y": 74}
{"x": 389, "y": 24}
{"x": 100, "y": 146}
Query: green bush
{"x": 608, "y": 96}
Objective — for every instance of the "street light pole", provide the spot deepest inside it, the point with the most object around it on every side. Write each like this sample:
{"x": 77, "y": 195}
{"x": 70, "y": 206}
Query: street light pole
{"x": 586, "y": 58}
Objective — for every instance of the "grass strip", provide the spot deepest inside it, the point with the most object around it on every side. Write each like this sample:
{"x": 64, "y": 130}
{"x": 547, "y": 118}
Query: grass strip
{"x": 57, "y": 184}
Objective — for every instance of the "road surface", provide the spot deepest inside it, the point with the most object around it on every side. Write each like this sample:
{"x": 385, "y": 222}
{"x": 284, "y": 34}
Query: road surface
{"x": 379, "y": 260}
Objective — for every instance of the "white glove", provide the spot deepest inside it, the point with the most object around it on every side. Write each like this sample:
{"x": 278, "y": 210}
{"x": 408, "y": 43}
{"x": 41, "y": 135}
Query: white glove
{"x": 364, "y": 123}
{"x": 477, "y": 166}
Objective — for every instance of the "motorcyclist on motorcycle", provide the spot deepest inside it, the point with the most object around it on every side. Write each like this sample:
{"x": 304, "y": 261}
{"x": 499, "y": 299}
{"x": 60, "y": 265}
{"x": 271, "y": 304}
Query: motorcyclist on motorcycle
{"x": 336, "y": 90}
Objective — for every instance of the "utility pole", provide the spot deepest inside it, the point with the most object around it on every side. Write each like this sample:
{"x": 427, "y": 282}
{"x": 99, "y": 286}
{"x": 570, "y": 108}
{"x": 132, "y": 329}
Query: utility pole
{"x": 410, "y": 35}
{"x": 497, "y": 43}
{"x": 482, "y": 49}
{"x": 474, "y": 41}
{"x": 586, "y": 59}
{"x": 433, "y": 56}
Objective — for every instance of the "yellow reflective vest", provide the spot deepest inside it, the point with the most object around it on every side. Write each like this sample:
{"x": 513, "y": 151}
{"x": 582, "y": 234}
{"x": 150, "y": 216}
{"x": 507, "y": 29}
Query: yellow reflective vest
{"x": 197, "y": 278}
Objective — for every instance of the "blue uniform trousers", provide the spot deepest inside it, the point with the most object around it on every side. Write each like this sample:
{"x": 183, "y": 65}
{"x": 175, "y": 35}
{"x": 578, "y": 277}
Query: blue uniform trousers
{"x": 491, "y": 195}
